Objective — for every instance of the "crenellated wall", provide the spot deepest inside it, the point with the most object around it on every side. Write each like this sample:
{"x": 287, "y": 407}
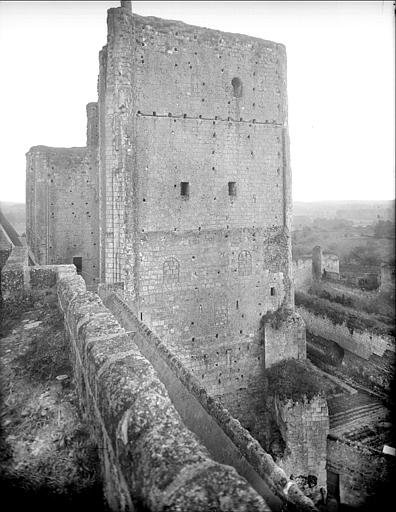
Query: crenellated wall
{"x": 284, "y": 339}
{"x": 183, "y": 193}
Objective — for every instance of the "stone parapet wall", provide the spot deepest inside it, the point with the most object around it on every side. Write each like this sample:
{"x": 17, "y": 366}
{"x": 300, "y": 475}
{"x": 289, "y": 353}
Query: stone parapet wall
{"x": 19, "y": 280}
{"x": 341, "y": 289}
{"x": 151, "y": 459}
{"x": 14, "y": 279}
{"x": 363, "y": 344}
{"x": 285, "y": 341}
{"x": 244, "y": 452}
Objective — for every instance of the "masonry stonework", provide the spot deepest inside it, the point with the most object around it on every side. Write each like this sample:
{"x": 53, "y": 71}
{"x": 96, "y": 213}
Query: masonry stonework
{"x": 182, "y": 197}
{"x": 304, "y": 426}
{"x": 195, "y": 186}
{"x": 62, "y": 204}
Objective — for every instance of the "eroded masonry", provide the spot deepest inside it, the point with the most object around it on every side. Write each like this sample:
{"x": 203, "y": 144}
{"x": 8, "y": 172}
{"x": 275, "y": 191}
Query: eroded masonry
{"x": 182, "y": 195}
{"x": 178, "y": 213}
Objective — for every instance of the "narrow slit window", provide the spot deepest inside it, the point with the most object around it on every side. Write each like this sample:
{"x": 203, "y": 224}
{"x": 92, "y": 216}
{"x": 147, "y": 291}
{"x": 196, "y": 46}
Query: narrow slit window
{"x": 77, "y": 261}
{"x": 232, "y": 188}
{"x": 272, "y": 291}
{"x": 185, "y": 189}
{"x": 237, "y": 87}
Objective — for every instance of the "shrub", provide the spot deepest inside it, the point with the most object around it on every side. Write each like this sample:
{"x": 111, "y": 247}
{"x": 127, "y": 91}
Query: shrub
{"x": 294, "y": 379}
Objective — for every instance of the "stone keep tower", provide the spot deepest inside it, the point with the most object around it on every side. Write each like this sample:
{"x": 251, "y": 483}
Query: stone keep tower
{"x": 62, "y": 213}
{"x": 196, "y": 192}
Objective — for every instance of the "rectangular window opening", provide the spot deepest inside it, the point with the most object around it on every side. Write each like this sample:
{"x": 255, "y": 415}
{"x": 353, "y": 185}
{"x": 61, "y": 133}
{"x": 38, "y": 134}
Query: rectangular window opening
{"x": 77, "y": 261}
{"x": 185, "y": 189}
{"x": 232, "y": 188}
{"x": 273, "y": 291}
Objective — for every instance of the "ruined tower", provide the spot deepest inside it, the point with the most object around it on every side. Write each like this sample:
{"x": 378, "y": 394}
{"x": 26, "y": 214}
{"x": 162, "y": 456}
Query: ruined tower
{"x": 182, "y": 197}
{"x": 196, "y": 193}
{"x": 62, "y": 203}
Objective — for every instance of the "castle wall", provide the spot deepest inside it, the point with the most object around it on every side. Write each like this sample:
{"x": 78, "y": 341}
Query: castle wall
{"x": 62, "y": 203}
{"x": 286, "y": 341}
{"x": 145, "y": 461}
{"x": 362, "y": 473}
{"x": 302, "y": 273}
{"x": 376, "y": 372}
{"x": 203, "y": 413}
{"x": 200, "y": 268}
{"x": 149, "y": 458}
{"x": 362, "y": 343}
{"x": 305, "y": 426}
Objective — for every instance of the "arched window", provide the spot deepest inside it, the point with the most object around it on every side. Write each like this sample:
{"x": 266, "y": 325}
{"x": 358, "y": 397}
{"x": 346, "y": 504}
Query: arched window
{"x": 237, "y": 86}
{"x": 244, "y": 263}
{"x": 170, "y": 271}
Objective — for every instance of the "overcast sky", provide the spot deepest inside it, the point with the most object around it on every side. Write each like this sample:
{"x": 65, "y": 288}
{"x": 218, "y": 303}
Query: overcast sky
{"x": 341, "y": 83}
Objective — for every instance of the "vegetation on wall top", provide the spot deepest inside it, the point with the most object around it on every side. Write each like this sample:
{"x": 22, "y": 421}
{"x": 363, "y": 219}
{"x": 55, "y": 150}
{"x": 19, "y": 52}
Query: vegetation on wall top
{"x": 339, "y": 314}
{"x": 295, "y": 379}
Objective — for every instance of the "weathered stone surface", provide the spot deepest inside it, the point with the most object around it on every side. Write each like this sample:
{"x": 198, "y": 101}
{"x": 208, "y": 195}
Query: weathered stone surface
{"x": 179, "y": 104}
{"x": 246, "y": 445}
{"x": 304, "y": 426}
{"x": 14, "y": 275}
{"x": 62, "y": 221}
{"x": 149, "y": 454}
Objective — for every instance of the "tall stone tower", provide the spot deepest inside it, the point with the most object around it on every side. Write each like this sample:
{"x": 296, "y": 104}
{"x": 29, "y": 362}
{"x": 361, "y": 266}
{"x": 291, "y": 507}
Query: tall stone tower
{"x": 196, "y": 193}
{"x": 62, "y": 212}
{"x": 182, "y": 196}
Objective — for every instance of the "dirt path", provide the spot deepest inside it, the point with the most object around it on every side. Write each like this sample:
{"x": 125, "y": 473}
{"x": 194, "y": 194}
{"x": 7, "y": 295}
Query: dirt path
{"x": 46, "y": 455}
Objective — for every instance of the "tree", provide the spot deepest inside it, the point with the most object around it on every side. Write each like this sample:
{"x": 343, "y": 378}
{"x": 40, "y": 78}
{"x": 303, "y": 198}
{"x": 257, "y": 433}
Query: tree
{"x": 384, "y": 229}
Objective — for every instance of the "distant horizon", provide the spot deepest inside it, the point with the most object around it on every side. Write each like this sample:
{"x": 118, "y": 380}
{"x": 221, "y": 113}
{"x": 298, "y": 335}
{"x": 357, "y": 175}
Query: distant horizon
{"x": 340, "y": 83}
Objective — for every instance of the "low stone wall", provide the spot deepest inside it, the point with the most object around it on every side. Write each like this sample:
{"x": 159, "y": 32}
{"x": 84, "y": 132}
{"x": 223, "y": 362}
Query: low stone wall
{"x": 362, "y": 473}
{"x": 363, "y": 344}
{"x": 286, "y": 341}
{"x": 150, "y": 458}
{"x": 14, "y": 274}
{"x": 225, "y": 437}
{"x": 376, "y": 372}
{"x": 339, "y": 288}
